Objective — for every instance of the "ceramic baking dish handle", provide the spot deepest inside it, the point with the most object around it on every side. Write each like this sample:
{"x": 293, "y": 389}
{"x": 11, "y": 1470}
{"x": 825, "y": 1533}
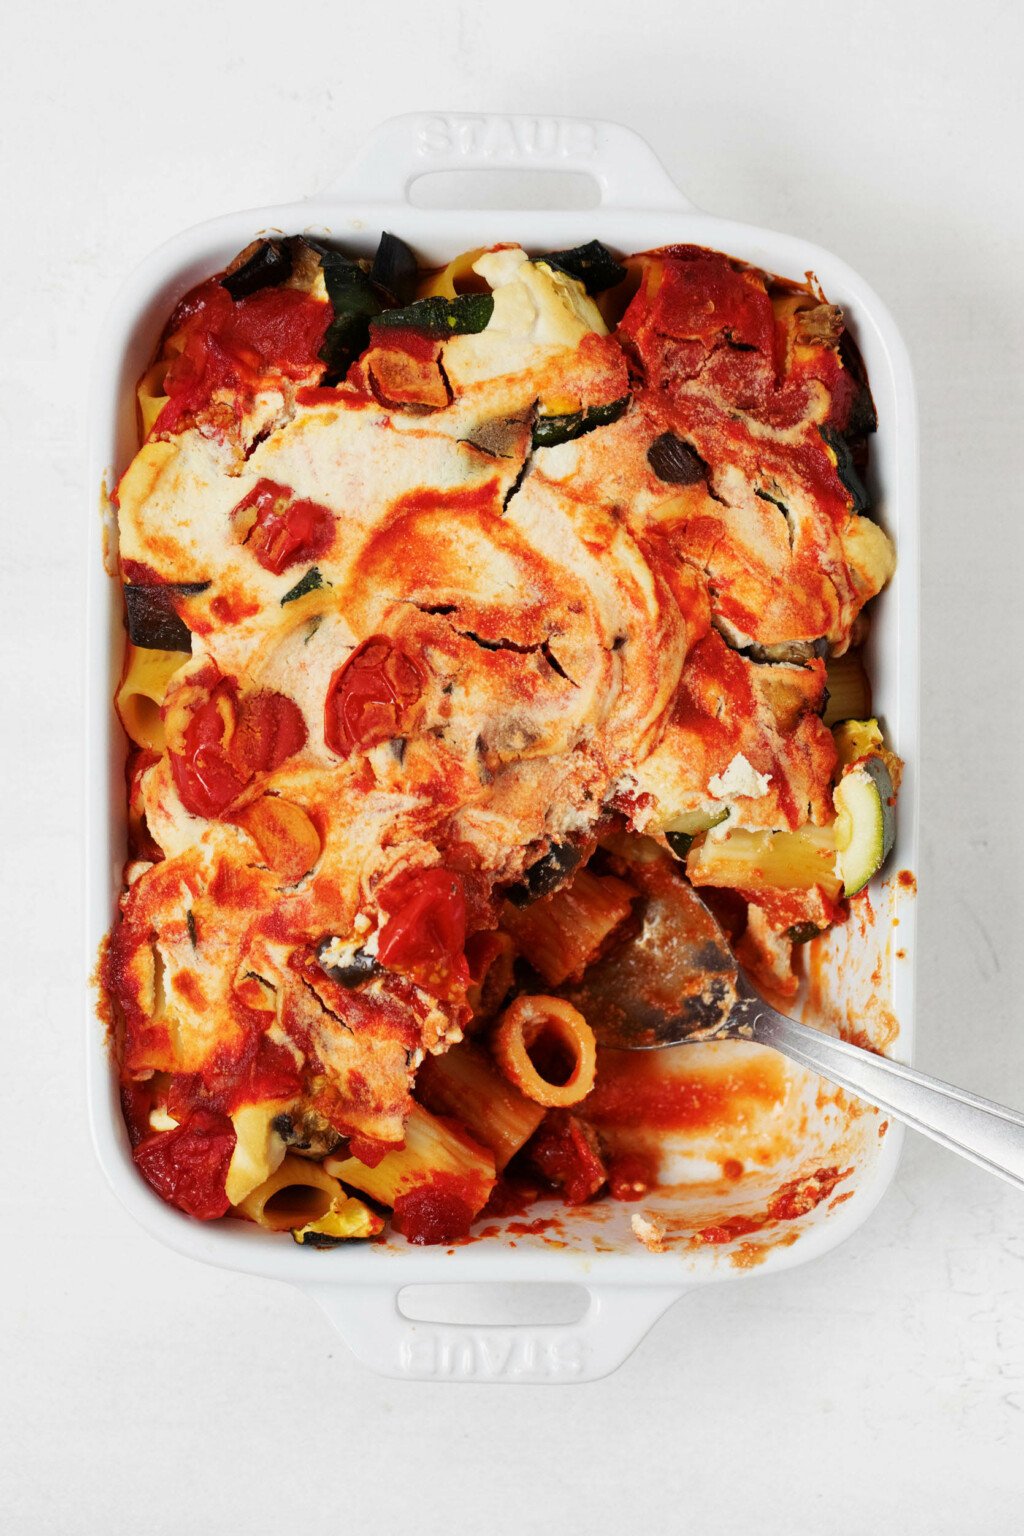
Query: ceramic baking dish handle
{"x": 617, "y": 1318}
{"x": 627, "y": 171}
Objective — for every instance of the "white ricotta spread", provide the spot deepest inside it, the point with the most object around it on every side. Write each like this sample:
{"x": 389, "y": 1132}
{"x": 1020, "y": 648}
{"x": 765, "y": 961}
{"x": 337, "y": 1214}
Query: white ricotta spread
{"x": 740, "y": 780}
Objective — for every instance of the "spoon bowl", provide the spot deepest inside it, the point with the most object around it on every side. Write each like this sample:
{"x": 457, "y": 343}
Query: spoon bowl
{"x": 675, "y": 981}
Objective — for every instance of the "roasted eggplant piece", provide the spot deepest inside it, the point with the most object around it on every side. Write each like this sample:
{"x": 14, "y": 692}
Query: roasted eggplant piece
{"x": 592, "y": 264}
{"x": 153, "y": 620}
{"x": 353, "y": 971}
{"x": 676, "y": 461}
{"x": 309, "y": 1133}
{"x": 354, "y": 301}
{"x": 846, "y": 469}
{"x": 553, "y": 870}
{"x": 394, "y": 268}
{"x": 267, "y": 264}
{"x": 794, "y": 653}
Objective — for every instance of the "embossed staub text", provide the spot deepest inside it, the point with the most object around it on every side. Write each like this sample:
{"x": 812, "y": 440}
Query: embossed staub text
{"x": 497, "y": 1355}
{"x": 507, "y": 139}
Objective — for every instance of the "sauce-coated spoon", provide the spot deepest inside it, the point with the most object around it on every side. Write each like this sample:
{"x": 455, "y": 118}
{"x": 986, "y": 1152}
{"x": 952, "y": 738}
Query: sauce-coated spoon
{"x": 677, "y": 981}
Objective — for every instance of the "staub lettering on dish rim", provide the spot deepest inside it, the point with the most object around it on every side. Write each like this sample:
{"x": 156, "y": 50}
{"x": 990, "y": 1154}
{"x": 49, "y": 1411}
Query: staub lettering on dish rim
{"x": 492, "y": 1356}
{"x": 505, "y": 138}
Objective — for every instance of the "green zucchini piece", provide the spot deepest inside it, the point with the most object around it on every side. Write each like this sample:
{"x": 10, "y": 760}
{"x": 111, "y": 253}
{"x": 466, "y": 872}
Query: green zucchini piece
{"x": 845, "y": 468}
{"x": 466, "y": 314}
{"x": 592, "y": 264}
{"x": 354, "y": 301}
{"x": 309, "y": 583}
{"x": 348, "y": 1219}
{"x": 153, "y": 620}
{"x": 865, "y": 826}
{"x": 549, "y": 431}
{"x": 681, "y": 830}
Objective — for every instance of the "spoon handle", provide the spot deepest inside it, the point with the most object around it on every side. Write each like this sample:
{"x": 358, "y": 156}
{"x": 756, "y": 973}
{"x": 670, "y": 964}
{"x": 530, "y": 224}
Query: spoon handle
{"x": 988, "y": 1134}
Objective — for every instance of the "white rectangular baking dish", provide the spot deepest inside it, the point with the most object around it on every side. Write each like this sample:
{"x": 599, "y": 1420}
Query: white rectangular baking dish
{"x": 866, "y": 978}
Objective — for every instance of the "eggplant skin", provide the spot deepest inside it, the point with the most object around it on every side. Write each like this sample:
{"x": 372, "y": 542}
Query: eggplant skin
{"x": 394, "y": 268}
{"x": 546, "y": 875}
{"x": 305, "y": 1131}
{"x": 269, "y": 264}
{"x": 352, "y": 974}
{"x": 153, "y": 621}
{"x": 592, "y": 264}
{"x": 676, "y": 461}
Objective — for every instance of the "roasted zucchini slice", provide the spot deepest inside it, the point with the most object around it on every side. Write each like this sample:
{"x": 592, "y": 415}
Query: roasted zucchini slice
{"x": 865, "y": 825}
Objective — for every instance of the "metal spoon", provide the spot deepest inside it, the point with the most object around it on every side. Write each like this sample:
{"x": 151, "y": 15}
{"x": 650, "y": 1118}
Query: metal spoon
{"x": 677, "y": 981}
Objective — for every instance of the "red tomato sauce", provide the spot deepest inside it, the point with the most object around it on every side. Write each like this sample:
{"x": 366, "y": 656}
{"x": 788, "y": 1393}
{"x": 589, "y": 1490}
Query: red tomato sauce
{"x": 790, "y": 1201}
{"x": 631, "y": 1090}
{"x": 239, "y": 345}
{"x": 188, "y": 1167}
{"x": 440, "y": 1211}
{"x": 283, "y": 532}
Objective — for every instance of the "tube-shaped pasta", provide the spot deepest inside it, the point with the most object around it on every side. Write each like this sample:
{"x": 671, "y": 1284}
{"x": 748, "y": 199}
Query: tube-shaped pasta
{"x": 142, "y": 692}
{"x": 150, "y": 394}
{"x": 296, "y": 1193}
{"x": 457, "y": 277}
{"x": 562, "y": 933}
{"x": 433, "y": 1149}
{"x": 259, "y": 1151}
{"x": 530, "y": 1022}
{"x": 465, "y": 1084}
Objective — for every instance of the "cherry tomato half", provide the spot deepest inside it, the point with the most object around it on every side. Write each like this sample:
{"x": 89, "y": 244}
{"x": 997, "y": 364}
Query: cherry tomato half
{"x": 227, "y": 742}
{"x": 369, "y": 694}
{"x": 285, "y": 532}
{"x": 188, "y": 1167}
{"x": 270, "y": 729}
{"x": 424, "y": 937}
{"x": 206, "y": 778}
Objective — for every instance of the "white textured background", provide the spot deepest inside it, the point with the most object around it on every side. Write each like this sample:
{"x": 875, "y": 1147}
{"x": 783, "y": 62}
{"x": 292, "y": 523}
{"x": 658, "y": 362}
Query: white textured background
{"x": 880, "y": 1387}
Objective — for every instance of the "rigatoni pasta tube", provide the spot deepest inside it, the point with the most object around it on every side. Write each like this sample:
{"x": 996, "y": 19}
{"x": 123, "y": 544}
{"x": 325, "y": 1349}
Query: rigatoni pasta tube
{"x": 432, "y": 1147}
{"x": 151, "y": 396}
{"x": 560, "y": 934}
{"x": 465, "y": 1084}
{"x": 297, "y": 1193}
{"x": 457, "y": 277}
{"x": 530, "y": 1022}
{"x": 259, "y": 1151}
{"x": 140, "y": 696}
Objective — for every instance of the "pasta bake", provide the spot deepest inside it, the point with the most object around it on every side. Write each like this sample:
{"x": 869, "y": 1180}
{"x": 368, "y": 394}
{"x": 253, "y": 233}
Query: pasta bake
{"x": 466, "y": 610}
